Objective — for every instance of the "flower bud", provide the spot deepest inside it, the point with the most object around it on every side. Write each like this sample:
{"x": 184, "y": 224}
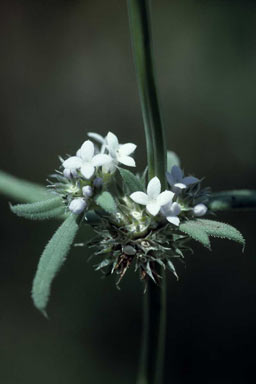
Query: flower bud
{"x": 98, "y": 182}
{"x": 200, "y": 210}
{"x": 87, "y": 191}
{"x": 77, "y": 205}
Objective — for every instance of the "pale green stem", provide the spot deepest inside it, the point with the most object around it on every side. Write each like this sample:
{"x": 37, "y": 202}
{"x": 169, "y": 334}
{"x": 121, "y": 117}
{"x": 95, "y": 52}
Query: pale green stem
{"x": 242, "y": 199}
{"x": 153, "y": 340}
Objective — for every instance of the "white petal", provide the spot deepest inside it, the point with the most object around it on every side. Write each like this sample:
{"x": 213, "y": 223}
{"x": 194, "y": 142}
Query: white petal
{"x": 173, "y": 219}
{"x": 87, "y": 170}
{"x": 72, "y": 162}
{"x": 100, "y": 139}
{"x": 153, "y": 208}
{"x": 154, "y": 188}
{"x": 190, "y": 180}
{"x": 140, "y": 198}
{"x": 175, "y": 209}
{"x": 165, "y": 197}
{"x": 101, "y": 159}
{"x": 112, "y": 142}
{"x": 180, "y": 185}
{"x": 200, "y": 210}
{"x": 78, "y": 153}
{"x": 177, "y": 173}
{"x": 127, "y": 149}
{"x": 77, "y": 205}
{"x": 87, "y": 150}
{"x": 126, "y": 160}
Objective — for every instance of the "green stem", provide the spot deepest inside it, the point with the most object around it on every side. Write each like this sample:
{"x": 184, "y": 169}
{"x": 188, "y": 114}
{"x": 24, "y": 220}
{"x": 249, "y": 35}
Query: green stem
{"x": 140, "y": 30}
{"x": 242, "y": 199}
{"x": 153, "y": 339}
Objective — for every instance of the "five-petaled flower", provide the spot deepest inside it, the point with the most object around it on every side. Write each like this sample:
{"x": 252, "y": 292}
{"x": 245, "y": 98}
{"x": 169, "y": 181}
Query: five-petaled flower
{"x": 177, "y": 181}
{"x": 85, "y": 161}
{"x": 154, "y": 199}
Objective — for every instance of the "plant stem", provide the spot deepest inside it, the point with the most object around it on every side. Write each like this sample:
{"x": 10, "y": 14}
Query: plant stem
{"x": 153, "y": 339}
{"x": 243, "y": 199}
{"x": 140, "y": 30}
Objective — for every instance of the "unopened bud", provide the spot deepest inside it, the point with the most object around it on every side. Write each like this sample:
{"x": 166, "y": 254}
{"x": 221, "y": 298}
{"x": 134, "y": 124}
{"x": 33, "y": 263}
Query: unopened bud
{"x": 87, "y": 191}
{"x": 98, "y": 182}
{"x": 200, "y": 210}
{"x": 77, "y": 205}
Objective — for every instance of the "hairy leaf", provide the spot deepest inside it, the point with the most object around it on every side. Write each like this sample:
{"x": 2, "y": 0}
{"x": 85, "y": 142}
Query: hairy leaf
{"x": 132, "y": 183}
{"x": 41, "y": 210}
{"x": 221, "y": 230}
{"x": 106, "y": 202}
{"x": 21, "y": 190}
{"x": 51, "y": 260}
{"x": 172, "y": 159}
{"x": 196, "y": 232}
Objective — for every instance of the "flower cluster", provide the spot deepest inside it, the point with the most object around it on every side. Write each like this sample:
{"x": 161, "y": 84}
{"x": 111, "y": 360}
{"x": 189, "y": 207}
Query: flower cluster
{"x": 133, "y": 222}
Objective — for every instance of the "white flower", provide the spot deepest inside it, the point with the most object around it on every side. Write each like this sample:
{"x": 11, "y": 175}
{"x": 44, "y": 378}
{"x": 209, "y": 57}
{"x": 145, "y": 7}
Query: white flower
{"x": 171, "y": 211}
{"x": 85, "y": 160}
{"x": 153, "y": 199}
{"x": 87, "y": 191}
{"x": 77, "y": 205}
{"x": 200, "y": 210}
{"x": 177, "y": 181}
{"x": 119, "y": 152}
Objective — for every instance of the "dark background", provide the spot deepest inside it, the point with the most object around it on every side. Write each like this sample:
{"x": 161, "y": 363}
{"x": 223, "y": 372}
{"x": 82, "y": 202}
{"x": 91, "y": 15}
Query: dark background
{"x": 65, "y": 69}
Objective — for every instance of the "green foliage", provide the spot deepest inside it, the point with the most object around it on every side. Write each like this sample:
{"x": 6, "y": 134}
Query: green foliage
{"x": 196, "y": 232}
{"x": 172, "y": 159}
{"x": 221, "y": 230}
{"x": 51, "y": 261}
{"x": 21, "y": 190}
{"x": 201, "y": 229}
{"x": 131, "y": 182}
{"x": 41, "y": 210}
{"x": 106, "y": 202}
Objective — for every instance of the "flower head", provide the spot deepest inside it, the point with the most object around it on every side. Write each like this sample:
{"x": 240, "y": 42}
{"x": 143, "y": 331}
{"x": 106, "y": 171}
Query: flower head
{"x": 154, "y": 199}
{"x": 177, "y": 181}
{"x": 85, "y": 161}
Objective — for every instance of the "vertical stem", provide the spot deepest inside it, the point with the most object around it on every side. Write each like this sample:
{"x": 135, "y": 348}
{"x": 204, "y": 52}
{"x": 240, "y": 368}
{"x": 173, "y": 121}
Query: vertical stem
{"x": 153, "y": 339}
{"x": 140, "y": 30}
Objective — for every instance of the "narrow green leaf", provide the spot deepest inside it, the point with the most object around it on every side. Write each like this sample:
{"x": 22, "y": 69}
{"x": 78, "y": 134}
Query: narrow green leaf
{"x": 196, "y": 232}
{"x": 21, "y": 190}
{"x": 51, "y": 260}
{"x": 41, "y": 210}
{"x": 172, "y": 269}
{"x": 132, "y": 183}
{"x": 172, "y": 159}
{"x": 221, "y": 230}
{"x": 106, "y": 202}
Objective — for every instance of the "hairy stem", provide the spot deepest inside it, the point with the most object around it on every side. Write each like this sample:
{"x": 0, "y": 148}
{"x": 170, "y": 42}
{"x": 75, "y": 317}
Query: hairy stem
{"x": 153, "y": 339}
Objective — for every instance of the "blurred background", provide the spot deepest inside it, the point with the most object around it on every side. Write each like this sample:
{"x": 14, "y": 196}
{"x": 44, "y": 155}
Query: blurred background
{"x": 66, "y": 68}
